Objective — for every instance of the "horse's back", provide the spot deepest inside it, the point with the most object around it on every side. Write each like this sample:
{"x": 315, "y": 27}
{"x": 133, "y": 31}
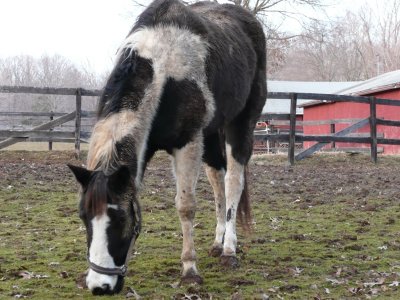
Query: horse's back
{"x": 237, "y": 58}
{"x": 234, "y": 45}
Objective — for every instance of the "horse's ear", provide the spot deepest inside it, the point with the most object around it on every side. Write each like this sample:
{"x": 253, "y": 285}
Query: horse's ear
{"x": 118, "y": 181}
{"x": 82, "y": 175}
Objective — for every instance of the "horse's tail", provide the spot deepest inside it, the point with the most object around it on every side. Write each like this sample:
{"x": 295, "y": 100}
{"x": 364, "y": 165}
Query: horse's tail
{"x": 244, "y": 215}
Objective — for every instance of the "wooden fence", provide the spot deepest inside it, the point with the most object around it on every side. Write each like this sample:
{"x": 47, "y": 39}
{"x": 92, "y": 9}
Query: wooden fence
{"x": 44, "y": 132}
{"x": 342, "y": 136}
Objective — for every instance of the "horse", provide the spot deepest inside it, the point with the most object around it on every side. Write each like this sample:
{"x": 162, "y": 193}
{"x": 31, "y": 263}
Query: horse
{"x": 189, "y": 80}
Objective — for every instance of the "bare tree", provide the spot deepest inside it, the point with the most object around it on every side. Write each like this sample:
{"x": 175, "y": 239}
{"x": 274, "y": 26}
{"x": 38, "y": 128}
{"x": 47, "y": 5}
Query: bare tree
{"x": 356, "y": 47}
{"x": 46, "y": 71}
{"x": 381, "y": 35}
{"x": 272, "y": 14}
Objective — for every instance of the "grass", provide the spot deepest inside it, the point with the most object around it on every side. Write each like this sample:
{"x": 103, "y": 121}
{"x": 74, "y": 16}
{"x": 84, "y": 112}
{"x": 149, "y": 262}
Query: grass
{"x": 326, "y": 229}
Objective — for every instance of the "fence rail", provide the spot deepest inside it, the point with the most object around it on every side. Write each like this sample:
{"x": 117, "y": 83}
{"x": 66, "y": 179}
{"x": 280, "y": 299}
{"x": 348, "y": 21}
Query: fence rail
{"x": 46, "y": 132}
{"x": 342, "y": 136}
{"x": 49, "y": 91}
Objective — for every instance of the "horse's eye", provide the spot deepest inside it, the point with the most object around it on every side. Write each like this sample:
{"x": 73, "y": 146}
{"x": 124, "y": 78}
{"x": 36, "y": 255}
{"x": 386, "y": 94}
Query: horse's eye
{"x": 82, "y": 215}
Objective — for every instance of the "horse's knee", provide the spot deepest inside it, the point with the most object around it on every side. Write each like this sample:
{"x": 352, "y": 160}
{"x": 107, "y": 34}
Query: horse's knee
{"x": 186, "y": 205}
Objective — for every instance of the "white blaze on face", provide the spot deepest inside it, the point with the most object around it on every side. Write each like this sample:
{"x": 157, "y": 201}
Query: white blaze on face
{"x": 99, "y": 255}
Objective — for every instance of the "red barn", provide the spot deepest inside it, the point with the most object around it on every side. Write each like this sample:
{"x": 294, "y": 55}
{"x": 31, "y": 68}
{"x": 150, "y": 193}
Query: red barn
{"x": 384, "y": 86}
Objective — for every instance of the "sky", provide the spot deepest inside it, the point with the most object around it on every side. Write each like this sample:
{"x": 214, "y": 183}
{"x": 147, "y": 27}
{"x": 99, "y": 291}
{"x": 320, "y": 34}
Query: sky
{"x": 88, "y": 32}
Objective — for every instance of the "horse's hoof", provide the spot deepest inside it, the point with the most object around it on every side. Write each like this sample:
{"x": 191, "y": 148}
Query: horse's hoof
{"x": 229, "y": 261}
{"x": 191, "y": 279}
{"x": 215, "y": 251}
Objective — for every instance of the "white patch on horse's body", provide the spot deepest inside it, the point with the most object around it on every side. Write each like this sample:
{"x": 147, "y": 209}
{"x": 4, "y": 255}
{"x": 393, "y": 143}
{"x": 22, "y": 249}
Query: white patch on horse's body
{"x": 175, "y": 53}
{"x": 98, "y": 254}
{"x": 186, "y": 164}
{"x": 105, "y": 134}
{"x": 216, "y": 179}
{"x": 234, "y": 183}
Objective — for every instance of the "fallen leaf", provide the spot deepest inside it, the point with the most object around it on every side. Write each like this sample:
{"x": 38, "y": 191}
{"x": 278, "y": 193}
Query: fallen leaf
{"x": 374, "y": 291}
{"x": 394, "y": 283}
{"x": 25, "y": 275}
{"x": 372, "y": 284}
{"x": 335, "y": 281}
{"x": 273, "y": 290}
{"x": 29, "y": 275}
{"x": 132, "y": 294}
{"x": 355, "y": 290}
{"x": 174, "y": 285}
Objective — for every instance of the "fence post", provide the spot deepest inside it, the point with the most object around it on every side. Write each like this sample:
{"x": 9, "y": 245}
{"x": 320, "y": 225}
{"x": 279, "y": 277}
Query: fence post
{"x": 333, "y": 131}
{"x": 78, "y": 123}
{"x": 372, "y": 122}
{"x": 51, "y": 129}
{"x": 292, "y": 133}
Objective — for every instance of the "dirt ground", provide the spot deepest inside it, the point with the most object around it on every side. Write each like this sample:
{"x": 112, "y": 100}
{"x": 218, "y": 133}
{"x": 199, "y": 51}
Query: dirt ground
{"x": 326, "y": 228}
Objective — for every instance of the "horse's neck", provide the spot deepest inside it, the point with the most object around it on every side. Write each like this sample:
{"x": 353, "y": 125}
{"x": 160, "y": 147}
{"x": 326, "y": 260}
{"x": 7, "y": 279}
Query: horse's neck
{"x": 121, "y": 137}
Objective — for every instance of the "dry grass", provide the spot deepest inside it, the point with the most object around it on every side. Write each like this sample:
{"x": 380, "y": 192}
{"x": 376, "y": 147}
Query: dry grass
{"x": 33, "y": 146}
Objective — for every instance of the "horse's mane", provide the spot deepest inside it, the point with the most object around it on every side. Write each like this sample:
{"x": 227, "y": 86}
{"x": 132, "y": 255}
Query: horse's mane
{"x": 118, "y": 84}
{"x": 170, "y": 13}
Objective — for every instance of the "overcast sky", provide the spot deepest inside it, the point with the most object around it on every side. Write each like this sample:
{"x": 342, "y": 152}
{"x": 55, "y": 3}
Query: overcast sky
{"x": 87, "y": 32}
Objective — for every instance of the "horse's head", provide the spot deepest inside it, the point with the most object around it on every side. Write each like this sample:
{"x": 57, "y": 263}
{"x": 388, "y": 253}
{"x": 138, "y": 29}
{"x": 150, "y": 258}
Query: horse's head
{"x": 110, "y": 212}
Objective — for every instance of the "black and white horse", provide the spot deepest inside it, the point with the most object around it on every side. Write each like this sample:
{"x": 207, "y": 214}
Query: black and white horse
{"x": 191, "y": 80}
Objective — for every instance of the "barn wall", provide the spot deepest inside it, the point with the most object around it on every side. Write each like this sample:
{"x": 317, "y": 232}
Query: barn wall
{"x": 347, "y": 110}
{"x": 389, "y": 113}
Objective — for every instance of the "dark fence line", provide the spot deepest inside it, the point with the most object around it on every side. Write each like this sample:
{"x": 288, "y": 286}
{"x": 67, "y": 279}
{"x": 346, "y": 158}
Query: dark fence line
{"x": 85, "y": 113}
{"x": 373, "y": 139}
{"x": 46, "y": 131}
{"x": 49, "y": 91}
{"x": 333, "y": 98}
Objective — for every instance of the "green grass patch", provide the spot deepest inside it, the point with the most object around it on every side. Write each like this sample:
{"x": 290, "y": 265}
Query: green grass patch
{"x": 328, "y": 228}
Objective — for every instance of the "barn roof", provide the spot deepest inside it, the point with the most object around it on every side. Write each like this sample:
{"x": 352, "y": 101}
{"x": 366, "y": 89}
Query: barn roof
{"x": 280, "y": 106}
{"x": 384, "y": 82}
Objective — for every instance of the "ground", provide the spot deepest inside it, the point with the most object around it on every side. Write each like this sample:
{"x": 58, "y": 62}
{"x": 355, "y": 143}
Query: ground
{"x": 327, "y": 228}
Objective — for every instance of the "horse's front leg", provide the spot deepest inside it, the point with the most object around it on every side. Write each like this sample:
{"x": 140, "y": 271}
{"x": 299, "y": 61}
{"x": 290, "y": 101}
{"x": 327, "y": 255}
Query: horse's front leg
{"x": 187, "y": 161}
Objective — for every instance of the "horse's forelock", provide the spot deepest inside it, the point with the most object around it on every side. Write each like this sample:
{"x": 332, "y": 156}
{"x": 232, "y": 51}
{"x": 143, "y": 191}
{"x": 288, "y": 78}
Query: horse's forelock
{"x": 96, "y": 195}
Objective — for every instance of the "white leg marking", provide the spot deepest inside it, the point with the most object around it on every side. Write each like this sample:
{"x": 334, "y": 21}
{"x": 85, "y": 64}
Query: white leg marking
{"x": 216, "y": 179}
{"x": 234, "y": 183}
{"x": 187, "y": 163}
{"x": 98, "y": 254}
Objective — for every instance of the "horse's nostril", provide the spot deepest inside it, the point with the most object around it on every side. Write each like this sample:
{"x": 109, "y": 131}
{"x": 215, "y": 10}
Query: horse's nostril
{"x": 104, "y": 289}
{"x": 97, "y": 291}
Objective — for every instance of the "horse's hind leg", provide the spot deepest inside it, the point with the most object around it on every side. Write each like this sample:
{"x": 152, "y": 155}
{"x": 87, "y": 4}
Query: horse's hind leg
{"x": 234, "y": 184}
{"x": 239, "y": 146}
{"x": 216, "y": 179}
{"x": 187, "y": 161}
{"x": 215, "y": 170}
